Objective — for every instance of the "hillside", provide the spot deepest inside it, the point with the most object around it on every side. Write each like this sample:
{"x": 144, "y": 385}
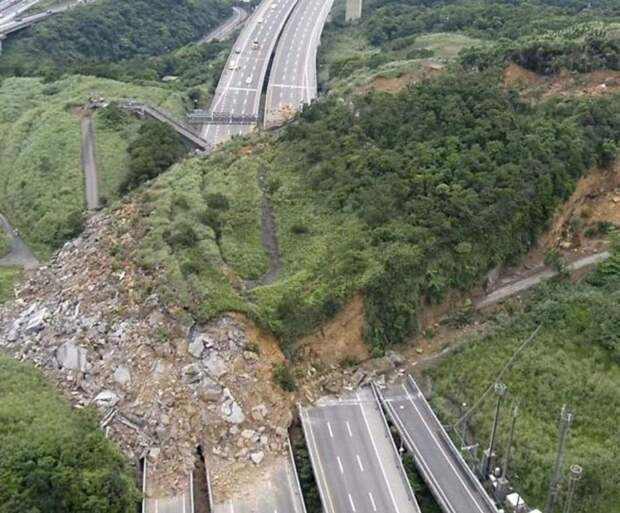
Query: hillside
{"x": 573, "y": 360}
{"x": 410, "y": 196}
{"x": 40, "y": 138}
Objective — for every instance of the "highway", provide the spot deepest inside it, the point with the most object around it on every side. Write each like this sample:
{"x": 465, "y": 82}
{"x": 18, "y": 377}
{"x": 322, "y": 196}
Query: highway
{"x": 293, "y": 77}
{"x": 354, "y": 458}
{"x": 453, "y": 485}
{"x": 224, "y": 31}
{"x": 239, "y": 90}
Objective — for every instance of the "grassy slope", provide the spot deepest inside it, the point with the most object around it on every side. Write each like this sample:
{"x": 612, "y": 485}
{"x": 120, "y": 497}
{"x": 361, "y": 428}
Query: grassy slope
{"x": 41, "y": 181}
{"x": 574, "y": 360}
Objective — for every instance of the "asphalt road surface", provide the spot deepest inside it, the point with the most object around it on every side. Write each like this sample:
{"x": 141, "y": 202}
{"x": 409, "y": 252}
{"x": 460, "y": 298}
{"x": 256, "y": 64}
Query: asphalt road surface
{"x": 239, "y": 90}
{"x": 293, "y": 77}
{"x": 531, "y": 281}
{"x": 9, "y": 10}
{"x": 224, "y": 31}
{"x": 89, "y": 165}
{"x": 20, "y": 255}
{"x": 454, "y": 486}
{"x": 279, "y": 494}
{"x": 354, "y": 459}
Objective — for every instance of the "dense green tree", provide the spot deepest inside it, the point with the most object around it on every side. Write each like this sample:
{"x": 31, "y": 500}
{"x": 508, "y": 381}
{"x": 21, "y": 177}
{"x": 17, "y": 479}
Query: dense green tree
{"x": 54, "y": 459}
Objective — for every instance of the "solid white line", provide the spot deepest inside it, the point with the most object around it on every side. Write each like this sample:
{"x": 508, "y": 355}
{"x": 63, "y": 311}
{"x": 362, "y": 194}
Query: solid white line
{"x": 442, "y": 450}
{"x": 372, "y": 440}
{"x": 340, "y": 464}
{"x": 349, "y": 428}
{"x": 351, "y": 502}
{"x": 319, "y": 463}
{"x": 359, "y": 462}
{"x": 418, "y": 455}
{"x": 329, "y": 428}
{"x": 372, "y": 501}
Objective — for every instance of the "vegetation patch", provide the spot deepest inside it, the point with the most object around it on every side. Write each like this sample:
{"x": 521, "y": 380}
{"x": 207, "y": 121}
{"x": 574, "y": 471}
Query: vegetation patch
{"x": 54, "y": 458}
{"x": 573, "y": 360}
{"x": 41, "y": 178}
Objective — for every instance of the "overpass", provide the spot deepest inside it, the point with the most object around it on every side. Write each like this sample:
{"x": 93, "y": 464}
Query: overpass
{"x": 444, "y": 470}
{"x": 142, "y": 110}
{"x": 356, "y": 465}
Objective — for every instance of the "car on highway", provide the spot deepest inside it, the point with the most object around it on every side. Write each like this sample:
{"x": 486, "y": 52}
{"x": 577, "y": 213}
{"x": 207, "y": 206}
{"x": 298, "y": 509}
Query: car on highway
{"x": 256, "y": 44}
{"x": 237, "y": 50}
{"x": 248, "y": 80}
{"x": 261, "y": 20}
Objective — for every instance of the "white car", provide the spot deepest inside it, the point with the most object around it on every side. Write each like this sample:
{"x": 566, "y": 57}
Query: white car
{"x": 248, "y": 80}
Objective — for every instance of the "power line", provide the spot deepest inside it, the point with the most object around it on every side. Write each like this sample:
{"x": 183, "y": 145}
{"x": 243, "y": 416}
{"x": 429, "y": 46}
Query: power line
{"x": 491, "y": 387}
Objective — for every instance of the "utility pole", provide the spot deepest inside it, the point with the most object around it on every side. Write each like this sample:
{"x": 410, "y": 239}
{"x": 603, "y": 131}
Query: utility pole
{"x": 488, "y": 457}
{"x": 574, "y": 476}
{"x": 503, "y": 484}
{"x": 566, "y": 418}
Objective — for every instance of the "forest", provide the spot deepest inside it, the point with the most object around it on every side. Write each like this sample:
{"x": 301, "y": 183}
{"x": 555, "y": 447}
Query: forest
{"x": 53, "y": 458}
{"x": 109, "y": 31}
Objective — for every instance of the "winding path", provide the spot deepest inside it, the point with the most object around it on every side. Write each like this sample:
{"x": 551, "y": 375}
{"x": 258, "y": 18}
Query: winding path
{"x": 225, "y": 30}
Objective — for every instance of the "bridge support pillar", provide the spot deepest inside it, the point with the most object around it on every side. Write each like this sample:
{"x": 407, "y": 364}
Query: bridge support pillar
{"x": 353, "y": 10}
{"x": 501, "y": 490}
{"x": 2, "y": 38}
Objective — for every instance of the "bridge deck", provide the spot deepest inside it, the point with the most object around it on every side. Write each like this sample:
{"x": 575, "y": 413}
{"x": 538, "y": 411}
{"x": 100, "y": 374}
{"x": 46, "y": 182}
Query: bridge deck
{"x": 452, "y": 483}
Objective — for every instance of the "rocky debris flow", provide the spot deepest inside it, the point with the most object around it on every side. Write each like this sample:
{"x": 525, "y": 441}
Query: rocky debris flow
{"x": 94, "y": 323}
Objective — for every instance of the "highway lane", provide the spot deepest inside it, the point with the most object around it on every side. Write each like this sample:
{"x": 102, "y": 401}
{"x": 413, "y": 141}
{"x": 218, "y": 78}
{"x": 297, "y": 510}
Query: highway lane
{"x": 454, "y": 486}
{"x": 240, "y": 86}
{"x": 293, "y": 77}
{"x": 354, "y": 459}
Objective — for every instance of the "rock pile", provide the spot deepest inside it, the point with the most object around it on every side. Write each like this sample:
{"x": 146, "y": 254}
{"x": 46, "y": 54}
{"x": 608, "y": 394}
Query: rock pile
{"x": 162, "y": 384}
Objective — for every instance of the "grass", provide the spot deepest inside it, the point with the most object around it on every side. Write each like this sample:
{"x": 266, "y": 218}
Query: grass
{"x": 574, "y": 360}
{"x": 41, "y": 180}
{"x": 8, "y": 279}
{"x": 445, "y": 45}
{"x": 5, "y": 244}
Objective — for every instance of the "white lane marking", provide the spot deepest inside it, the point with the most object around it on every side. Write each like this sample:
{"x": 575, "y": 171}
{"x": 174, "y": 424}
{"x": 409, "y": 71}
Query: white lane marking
{"x": 359, "y": 462}
{"x": 351, "y": 502}
{"x": 349, "y": 428}
{"x": 420, "y": 458}
{"x": 372, "y": 440}
{"x": 321, "y": 476}
{"x": 443, "y": 452}
{"x": 232, "y": 509}
{"x": 329, "y": 428}
{"x": 340, "y": 464}
{"x": 372, "y": 501}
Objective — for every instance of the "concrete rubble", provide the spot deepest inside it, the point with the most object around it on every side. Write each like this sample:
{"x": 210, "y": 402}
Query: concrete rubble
{"x": 96, "y": 325}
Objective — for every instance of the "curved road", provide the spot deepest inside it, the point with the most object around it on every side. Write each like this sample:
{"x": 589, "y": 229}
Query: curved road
{"x": 225, "y": 30}
{"x": 293, "y": 78}
{"x": 20, "y": 255}
{"x": 239, "y": 90}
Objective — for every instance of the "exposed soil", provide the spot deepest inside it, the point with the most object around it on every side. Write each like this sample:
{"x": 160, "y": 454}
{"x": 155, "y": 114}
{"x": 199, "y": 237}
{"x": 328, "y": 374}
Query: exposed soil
{"x": 396, "y": 84}
{"x": 538, "y": 87}
{"x": 341, "y": 339}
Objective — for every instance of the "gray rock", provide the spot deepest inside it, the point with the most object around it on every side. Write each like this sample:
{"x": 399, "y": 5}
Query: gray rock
{"x": 215, "y": 365}
{"x": 257, "y": 457}
{"x": 122, "y": 376}
{"x": 36, "y": 322}
{"x": 232, "y": 412}
{"x": 209, "y": 390}
{"x": 358, "y": 377}
{"x": 106, "y": 399}
{"x": 281, "y": 432}
{"x": 191, "y": 373}
{"x": 196, "y": 347}
{"x": 71, "y": 356}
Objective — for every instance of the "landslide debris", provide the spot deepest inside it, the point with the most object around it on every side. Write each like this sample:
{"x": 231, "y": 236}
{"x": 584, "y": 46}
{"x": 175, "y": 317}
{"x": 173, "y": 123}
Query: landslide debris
{"x": 95, "y": 324}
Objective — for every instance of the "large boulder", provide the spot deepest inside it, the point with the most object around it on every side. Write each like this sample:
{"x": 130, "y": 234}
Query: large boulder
{"x": 70, "y": 356}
